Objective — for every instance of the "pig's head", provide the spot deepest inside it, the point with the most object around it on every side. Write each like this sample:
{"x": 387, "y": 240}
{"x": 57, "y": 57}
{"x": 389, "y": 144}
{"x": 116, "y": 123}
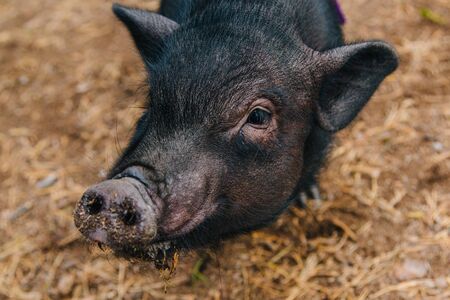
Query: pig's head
{"x": 219, "y": 149}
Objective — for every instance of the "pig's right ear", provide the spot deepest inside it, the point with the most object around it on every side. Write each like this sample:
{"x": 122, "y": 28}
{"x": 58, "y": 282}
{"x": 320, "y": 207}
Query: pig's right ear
{"x": 349, "y": 76}
{"x": 148, "y": 30}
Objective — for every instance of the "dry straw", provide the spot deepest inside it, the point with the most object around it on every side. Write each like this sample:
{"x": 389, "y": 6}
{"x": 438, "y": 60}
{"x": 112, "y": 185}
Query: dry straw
{"x": 68, "y": 83}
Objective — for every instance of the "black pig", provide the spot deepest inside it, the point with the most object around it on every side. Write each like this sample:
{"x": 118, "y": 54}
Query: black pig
{"x": 245, "y": 97}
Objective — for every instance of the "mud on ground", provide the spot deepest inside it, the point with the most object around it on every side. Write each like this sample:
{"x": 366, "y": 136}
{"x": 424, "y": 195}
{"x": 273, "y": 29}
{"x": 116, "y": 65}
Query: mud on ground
{"x": 70, "y": 90}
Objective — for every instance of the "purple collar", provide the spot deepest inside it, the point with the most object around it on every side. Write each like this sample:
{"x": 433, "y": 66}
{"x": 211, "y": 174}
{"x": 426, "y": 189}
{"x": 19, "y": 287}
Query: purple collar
{"x": 339, "y": 12}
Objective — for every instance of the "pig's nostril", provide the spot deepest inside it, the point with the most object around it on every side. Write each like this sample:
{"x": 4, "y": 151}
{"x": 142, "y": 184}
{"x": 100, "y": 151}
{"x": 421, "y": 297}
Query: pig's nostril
{"x": 93, "y": 203}
{"x": 129, "y": 216}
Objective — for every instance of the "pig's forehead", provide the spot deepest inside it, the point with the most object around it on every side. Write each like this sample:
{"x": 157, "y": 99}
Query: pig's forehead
{"x": 222, "y": 45}
{"x": 211, "y": 73}
{"x": 200, "y": 78}
{"x": 210, "y": 57}
{"x": 195, "y": 97}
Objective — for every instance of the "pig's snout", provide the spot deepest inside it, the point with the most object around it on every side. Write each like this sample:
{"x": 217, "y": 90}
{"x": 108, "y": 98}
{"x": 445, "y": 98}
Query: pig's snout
{"x": 94, "y": 201}
{"x": 118, "y": 213}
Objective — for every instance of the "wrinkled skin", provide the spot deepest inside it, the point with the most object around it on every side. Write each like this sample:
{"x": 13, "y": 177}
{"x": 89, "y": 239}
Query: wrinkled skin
{"x": 244, "y": 99}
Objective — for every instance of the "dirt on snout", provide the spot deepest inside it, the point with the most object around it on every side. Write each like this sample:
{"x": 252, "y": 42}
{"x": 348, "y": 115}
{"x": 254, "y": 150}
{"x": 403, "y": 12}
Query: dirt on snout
{"x": 71, "y": 88}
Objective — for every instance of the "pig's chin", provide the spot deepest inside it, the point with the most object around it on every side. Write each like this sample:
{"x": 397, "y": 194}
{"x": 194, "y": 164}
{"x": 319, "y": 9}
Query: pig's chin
{"x": 161, "y": 253}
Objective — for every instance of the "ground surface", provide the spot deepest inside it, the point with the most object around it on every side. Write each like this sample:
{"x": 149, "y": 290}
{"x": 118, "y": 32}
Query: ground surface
{"x": 70, "y": 89}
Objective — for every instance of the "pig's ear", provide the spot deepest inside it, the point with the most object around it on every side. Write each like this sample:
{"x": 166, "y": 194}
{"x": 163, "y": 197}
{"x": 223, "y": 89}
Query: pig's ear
{"x": 148, "y": 29}
{"x": 350, "y": 76}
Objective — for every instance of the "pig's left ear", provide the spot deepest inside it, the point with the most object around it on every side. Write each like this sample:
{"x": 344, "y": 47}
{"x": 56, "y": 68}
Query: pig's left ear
{"x": 350, "y": 75}
{"x": 148, "y": 30}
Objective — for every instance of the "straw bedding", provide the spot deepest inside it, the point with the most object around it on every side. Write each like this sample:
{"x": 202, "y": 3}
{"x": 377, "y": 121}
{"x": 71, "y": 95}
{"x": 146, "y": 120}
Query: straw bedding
{"x": 70, "y": 91}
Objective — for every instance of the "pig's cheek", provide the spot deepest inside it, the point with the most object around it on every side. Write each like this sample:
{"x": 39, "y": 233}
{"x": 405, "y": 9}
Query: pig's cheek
{"x": 266, "y": 188}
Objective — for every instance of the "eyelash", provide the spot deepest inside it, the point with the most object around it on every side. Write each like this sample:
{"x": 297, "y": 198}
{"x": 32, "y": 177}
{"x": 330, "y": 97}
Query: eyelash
{"x": 258, "y": 117}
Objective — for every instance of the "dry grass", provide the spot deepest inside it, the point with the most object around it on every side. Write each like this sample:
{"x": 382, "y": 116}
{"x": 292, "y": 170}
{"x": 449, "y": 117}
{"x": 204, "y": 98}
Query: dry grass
{"x": 67, "y": 100}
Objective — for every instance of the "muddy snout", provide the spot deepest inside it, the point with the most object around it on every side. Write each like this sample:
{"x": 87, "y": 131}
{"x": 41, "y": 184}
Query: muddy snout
{"x": 118, "y": 213}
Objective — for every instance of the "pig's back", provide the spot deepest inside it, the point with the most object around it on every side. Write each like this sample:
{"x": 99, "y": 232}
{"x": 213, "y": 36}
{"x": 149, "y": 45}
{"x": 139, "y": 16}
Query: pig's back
{"x": 316, "y": 22}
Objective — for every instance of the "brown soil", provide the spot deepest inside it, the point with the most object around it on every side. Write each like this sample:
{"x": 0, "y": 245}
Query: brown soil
{"x": 70, "y": 90}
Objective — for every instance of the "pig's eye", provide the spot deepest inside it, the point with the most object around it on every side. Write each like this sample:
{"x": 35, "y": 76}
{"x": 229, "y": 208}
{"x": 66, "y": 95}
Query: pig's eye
{"x": 259, "y": 118}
